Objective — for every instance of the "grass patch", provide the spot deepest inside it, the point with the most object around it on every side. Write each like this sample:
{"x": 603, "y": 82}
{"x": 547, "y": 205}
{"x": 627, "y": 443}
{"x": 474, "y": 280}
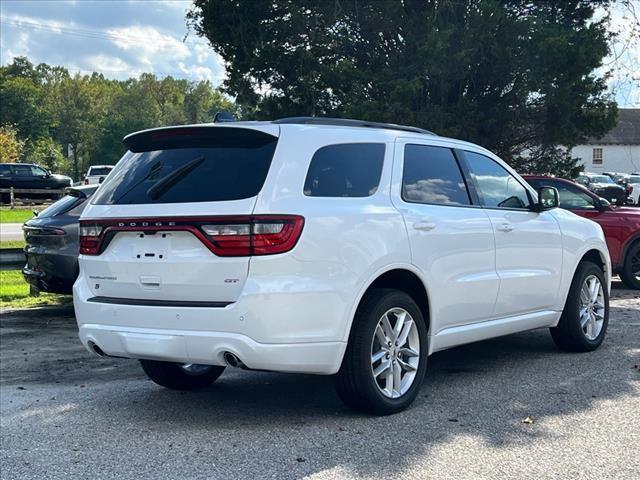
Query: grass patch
{"x": 15, "y": 215}
{"x": 14, "y": 293}
{"x": 12, "y": 244}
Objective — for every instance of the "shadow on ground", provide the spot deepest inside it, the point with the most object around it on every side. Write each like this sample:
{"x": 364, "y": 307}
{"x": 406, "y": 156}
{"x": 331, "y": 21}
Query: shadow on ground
{"x": 294, "y": 425}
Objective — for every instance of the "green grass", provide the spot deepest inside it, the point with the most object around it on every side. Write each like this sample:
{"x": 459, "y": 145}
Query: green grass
{"x": 14, "y": 293}
{"x": 15, "y": 215}
{"x": 12, "y": 244}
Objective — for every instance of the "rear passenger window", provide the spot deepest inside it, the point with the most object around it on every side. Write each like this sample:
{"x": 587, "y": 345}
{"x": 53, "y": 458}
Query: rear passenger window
{"x": 432, "y": 175}
{"x": 345, "y": 170}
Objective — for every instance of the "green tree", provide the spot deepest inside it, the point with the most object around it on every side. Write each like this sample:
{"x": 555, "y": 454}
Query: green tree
{"x": 47, "y": 152}
{"x": 512, "y": 75}
{"x": 11, "y": 146}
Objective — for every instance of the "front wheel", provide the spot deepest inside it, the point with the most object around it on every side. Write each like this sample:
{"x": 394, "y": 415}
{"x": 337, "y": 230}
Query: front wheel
{"x": 630, "y": 273}
{"x": 181, "y": 376}
{"x": 386, "y": 357}
{"x": 584, "y": 320}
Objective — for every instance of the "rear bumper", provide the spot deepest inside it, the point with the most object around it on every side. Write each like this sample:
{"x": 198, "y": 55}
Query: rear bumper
{"x": 188, "y": 346}
{"x": 288, "y": 331}
{"x": 50, "y": 272}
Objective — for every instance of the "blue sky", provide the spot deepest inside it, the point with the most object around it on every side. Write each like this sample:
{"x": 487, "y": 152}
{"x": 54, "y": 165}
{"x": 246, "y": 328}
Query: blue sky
{"x": 123, "y": 38}
{"x": 118, "y": 38}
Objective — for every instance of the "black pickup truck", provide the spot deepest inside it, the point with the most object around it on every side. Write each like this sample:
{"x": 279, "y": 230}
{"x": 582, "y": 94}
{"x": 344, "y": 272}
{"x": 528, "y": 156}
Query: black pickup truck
{"x": 30, "y": 176}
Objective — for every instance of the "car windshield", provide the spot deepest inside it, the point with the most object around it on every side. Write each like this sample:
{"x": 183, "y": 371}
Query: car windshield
{"x": 99, "y": 170}
{"x": 634, "y": 179}
{"x": 601, "y": 179}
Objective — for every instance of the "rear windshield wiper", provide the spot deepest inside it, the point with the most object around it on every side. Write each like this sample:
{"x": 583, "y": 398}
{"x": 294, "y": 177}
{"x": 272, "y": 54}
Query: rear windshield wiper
{"x": 161, "y": 186}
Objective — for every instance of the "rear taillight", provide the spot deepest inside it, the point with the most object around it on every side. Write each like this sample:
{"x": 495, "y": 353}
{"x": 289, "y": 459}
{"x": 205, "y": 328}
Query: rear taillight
{"x": 629, "y": 189}
{"x": 224, "y": 236}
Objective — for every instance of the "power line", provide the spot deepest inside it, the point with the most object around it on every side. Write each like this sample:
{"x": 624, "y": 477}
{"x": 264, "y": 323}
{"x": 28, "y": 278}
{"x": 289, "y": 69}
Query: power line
{"x": 85, "y": 33}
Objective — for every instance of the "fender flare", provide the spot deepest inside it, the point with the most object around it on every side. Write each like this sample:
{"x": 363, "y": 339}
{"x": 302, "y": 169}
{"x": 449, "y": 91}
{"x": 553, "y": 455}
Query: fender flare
{"x": 371, "y": 279}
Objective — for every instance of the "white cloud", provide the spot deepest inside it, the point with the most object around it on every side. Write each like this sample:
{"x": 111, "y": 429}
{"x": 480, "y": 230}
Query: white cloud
{"x": 108, "y": 64}
{"x": 147, "y": 42}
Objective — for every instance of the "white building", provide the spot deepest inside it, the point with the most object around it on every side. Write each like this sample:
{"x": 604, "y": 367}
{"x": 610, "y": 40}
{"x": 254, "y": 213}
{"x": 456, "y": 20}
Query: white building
{"x": 618, "y": 150}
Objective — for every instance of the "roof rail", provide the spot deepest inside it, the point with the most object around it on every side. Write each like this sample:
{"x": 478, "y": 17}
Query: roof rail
{"x": 347, "y": 122}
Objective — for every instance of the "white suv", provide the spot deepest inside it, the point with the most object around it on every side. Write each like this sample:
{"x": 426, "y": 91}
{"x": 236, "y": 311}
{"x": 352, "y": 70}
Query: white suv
{"x": 329, "y": 247}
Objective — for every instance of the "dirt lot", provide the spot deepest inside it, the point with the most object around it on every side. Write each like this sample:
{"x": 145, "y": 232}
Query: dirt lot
{"x": 66, "y": 414}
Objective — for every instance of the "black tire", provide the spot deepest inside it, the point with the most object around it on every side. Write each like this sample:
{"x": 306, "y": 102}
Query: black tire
{"x": 355, "y": 381}
{"x": 631, "y": 263}
{"x": 174, "y": 376}
{"x": 569, "y": 334}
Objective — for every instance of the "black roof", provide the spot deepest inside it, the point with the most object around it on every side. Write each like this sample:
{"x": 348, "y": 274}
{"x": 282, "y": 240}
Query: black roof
{"x": 626, "y": 131}
{"x": 347, "y": 122}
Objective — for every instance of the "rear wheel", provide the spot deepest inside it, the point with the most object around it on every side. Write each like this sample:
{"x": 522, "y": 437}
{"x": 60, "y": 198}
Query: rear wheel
{"x": 386, "y": 358}
{"x": 584, "y": 320}
{"x": 630, "y": 273}
{"x": 181, "y": 376}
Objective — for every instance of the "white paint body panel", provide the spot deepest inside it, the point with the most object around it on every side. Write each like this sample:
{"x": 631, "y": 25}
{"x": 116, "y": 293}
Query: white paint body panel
{"x": 293, "y": 311}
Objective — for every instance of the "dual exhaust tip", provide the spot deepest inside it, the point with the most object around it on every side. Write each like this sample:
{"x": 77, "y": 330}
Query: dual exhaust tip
{"x": 231, "y": 359}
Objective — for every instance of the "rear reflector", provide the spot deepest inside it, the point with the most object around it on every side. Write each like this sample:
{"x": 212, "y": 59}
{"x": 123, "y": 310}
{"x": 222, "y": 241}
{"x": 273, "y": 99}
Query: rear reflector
{"x": 236, "y": 236}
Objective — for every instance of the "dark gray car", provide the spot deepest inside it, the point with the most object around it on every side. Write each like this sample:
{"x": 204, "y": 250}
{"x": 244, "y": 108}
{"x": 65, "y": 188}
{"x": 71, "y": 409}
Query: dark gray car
{"x": 52, "y": 242}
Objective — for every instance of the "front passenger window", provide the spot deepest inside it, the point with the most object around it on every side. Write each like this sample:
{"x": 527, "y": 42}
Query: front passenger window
{"x": 497, "y": 187}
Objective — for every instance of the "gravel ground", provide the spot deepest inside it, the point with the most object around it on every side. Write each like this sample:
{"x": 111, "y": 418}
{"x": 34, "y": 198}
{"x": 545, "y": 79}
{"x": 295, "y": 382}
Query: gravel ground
{"x": 66, "y": 414}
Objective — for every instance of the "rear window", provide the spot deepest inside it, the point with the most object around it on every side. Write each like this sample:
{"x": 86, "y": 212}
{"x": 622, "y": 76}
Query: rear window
{"x": 431, "y": 175}
{"x": 213, "y": 165}
{"x": 63, "y": 205}
{"x": 99, "y": 170}
{"x": 345, "y": 170}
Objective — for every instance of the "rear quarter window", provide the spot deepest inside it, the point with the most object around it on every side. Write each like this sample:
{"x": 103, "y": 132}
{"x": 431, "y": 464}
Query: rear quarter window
{"x": 345, "y": 170}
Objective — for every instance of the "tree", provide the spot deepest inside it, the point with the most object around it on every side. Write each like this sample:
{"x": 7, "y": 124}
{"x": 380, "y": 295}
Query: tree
{"x": 512, "y": 75}
{"x": 47, "y": 152}
{"x": 11, "y": 146}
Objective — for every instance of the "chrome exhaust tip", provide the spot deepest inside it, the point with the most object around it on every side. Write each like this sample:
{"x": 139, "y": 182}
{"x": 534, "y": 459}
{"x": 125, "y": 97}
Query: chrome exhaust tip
{"x": 232, "y": 360}
{"x": 97, "y": 350}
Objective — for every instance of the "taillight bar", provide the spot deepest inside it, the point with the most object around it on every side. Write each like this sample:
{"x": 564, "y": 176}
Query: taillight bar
{"x": 225, "y": 236}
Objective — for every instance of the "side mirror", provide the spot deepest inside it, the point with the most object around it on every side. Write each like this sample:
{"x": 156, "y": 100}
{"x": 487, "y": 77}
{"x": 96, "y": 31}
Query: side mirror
{"x": 602, "y": 204}
{"x": 548, "y": 198}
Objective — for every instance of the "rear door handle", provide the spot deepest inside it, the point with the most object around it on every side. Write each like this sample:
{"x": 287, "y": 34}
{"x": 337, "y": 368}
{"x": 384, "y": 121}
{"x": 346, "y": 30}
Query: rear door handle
{"x": 505, "y": 227}
{"x": 424, "y": 226}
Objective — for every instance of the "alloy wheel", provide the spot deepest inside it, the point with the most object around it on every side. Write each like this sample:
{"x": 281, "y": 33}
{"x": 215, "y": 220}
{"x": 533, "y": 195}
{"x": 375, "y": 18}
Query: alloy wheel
{"x": 395, "y": 352}
{"x": 592, "y": 307}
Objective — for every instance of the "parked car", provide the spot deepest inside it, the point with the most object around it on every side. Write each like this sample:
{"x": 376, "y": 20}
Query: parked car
{"x": 633, "y": 189}
{"x": 330, "y": 247}
{"x": 30, "y": 176}
{"x": 52, "y": 242}
{"x": 621, "y": 225}
{"x": 603, "y": 186}
{"x": 617, "y": 177}
{"x": 96, "y": 174}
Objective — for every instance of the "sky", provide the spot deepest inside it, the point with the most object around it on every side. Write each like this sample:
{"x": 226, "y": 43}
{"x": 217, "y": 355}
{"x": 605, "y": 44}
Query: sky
{"x": 120, "y": 39}
{"x": 124, "y": 38}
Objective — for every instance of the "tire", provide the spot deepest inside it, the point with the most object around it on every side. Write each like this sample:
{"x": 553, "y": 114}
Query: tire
{"x": 355, "y": 382}
{"x": 630, "y": 273}
{"x": 576, "y": 334}
{"x": 177, "y": 377}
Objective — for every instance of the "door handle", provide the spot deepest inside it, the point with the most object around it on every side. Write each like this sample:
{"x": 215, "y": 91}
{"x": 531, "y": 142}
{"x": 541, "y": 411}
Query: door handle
{"x": 505, "y": 227}
{"x": 424, "y": 226}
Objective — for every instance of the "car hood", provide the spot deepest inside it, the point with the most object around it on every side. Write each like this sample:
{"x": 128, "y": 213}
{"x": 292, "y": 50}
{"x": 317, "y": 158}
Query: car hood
{"x": 62, "y": 178}
{"x": 632, "y": 212}
{"x": 601, "y": 186}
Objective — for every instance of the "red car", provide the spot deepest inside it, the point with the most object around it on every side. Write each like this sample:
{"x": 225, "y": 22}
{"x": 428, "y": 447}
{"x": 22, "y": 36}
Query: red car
{"x": 621, "y": 225}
